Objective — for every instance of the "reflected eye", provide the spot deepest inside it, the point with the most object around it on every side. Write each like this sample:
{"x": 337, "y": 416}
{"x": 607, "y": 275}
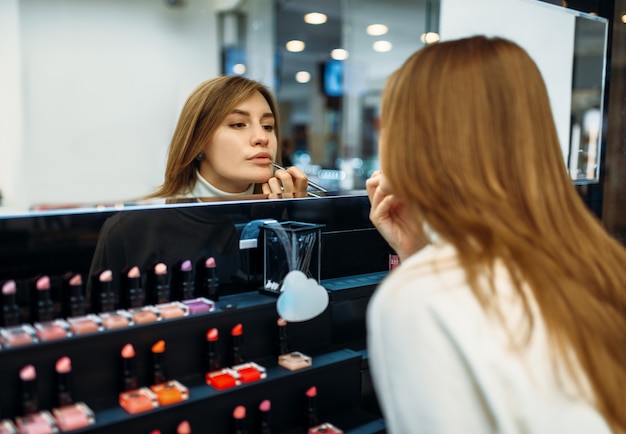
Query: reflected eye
{"x": 268, "y": 127}
{"x": 238, "y": 125}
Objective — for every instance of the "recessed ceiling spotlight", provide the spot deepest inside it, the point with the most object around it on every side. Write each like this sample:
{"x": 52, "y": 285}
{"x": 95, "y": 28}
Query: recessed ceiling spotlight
{"x": 429, "y": 37}
{"x": 382, "y": 46}
{"x": 339, "y": 54}
{"x": 303, "y": 76}
{"x": 377, "y": 29}
{"x": 295, "y": 46}
{"x": 315, "y": 18}
{"x": 624, "y": 18}
{"x": 239, "y": 68}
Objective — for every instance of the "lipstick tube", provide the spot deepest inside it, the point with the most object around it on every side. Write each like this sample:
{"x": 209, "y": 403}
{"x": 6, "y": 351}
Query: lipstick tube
{"x": 158, "y": 365}
{"x": 212, "y": 356}
{"x": 237, "y": 339}
{"x": 135, "y": 295}
{"x": 161, "y": 284}
{"x": 104, "y": 297}
{"x": 76, "y": 298}
{"x": 63, "y": 369}
{"x": 210, "y": 281}
{"x": 129, "y": 376}
{"x": 10, "y": 309}
{"x": 45, "y": 307}
{"x": 30, "y": 400}
{"x": 186, "y": 287}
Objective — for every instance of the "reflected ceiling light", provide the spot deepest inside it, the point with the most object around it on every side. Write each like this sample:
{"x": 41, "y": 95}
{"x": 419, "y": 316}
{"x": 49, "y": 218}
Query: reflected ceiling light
{"x": 339, "y": 54}
{"x": 377, "y": 29}
{"x": 382, "y": 46}
{"x": 295, "y": 46}
{"x": 239, "y": 68}
{"x": 315, "y": 18}
{"x": 624, "y": 18}
{"x": 303, "y": 76}
{"x": 429, "y": 37}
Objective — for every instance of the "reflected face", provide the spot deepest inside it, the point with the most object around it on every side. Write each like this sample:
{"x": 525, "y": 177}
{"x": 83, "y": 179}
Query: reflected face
{"x": 241, "y": 150}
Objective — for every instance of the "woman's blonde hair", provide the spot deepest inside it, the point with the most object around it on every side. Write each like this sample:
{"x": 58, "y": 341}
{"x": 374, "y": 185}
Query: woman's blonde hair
{"x": 206, "y": 107}
{"x": 469, "y": 141}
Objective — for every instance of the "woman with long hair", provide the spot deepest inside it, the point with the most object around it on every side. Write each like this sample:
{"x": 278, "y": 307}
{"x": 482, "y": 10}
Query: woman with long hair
{"x": 508, "y": 311}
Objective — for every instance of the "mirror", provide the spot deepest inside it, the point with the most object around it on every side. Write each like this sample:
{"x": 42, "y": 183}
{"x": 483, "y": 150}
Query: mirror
{"x": 95, "y": 86}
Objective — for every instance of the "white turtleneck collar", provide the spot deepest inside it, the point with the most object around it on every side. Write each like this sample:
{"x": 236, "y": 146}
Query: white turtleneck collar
{"x": 204, "y": 189}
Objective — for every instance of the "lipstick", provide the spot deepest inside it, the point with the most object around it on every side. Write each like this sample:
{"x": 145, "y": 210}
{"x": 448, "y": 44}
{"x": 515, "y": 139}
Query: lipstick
{"x": 283, "y": 339}
{"x": 158, "y": 366}
{"x": 210, "y": 281}
{"x": 76, "y": 297}
{"x": 237, "y": 338}
{"x": 264, "y": 409}
{"x": 311, "y": 407}
{"x": 212, "y": 356}
{"x": 104, "y": 297}
{"x": 63, "y": 368}
{"x": 161, "y": 284}
{"x": 134, "y": 291}
{"x": 45, "y": 307}
{"x": 129, "y": 376}
{"x": 30, "y": 401}
{"x": 239, "y": 417}
{"x": 10, "y": 309}
{"x": 183, "y": 428}
{"x": 186, "y": 285}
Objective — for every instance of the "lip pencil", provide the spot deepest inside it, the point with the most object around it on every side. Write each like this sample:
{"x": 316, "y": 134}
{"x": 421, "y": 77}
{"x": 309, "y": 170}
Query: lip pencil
{"x": 311, "y": 183}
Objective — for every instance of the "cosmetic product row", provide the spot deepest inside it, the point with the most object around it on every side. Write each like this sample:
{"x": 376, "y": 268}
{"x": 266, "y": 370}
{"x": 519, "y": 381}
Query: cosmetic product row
{"x": 65, "y": 417}
{"x": 26, "y": 334}
{"x": 133, "y": 290}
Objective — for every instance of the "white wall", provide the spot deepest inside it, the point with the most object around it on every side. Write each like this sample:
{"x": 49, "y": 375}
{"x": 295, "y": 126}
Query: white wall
{"x": 545, "y": 31}
{"x": 102, "y": 84}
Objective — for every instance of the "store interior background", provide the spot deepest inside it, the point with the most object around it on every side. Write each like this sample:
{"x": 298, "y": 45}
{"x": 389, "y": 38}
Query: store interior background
{"x": 92, "y": 89}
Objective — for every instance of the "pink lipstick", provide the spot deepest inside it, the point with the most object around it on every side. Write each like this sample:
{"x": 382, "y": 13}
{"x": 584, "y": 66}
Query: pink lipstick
{"x": 10, "y": 309}
{"x": 45, "y": 308}
{"x": 239, "y": 417}
{"x": 210, "y": 281}
{"x": 264, "y": 409}
{"x": 30, "y": 400}
{"x": 63, "y": 369}
{"x": 134, "y": 290}
{"x": 186, "y": 288}
{"x": 76, "y": 298}
{"x": 129, "y": 376}
{"x": 161, "y": 284}
{"x": 104, "y": 297}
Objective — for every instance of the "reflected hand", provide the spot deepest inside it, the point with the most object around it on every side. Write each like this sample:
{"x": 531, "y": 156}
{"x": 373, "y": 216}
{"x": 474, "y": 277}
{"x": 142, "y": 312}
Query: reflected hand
{"x": 290, "y": 182}
{"x": 391, "y": 217}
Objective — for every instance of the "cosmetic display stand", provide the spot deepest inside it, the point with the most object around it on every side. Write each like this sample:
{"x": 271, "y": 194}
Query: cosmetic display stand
{"x": 353, "y": 260}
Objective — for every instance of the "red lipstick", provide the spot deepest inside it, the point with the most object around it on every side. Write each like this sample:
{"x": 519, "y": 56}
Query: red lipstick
{"x": 237, "y": 337}
{"x": 311, "y": 407}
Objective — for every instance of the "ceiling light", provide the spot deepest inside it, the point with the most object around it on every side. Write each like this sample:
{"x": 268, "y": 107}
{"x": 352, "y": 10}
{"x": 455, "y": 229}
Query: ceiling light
{"x": 382, "y": 46}
{"x": 339, "y": 54}
{"x": 303, "y": 76}
{"x": 295, "y": 46}
{"x": 315, "y": 18}
{"x": 239, "y": 68}
{"x": 377, "y": 29}
{"x": 624, "y": 18}
{"x": 429, "y": 37}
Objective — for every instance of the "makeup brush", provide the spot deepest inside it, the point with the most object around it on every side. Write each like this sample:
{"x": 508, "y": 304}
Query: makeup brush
{"x": 311, "y": 183}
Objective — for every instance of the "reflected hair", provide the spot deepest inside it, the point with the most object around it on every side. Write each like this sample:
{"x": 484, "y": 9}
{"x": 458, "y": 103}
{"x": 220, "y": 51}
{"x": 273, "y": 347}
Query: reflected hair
{"x": 206, "y": 107}
{"x": 468, "y": 141}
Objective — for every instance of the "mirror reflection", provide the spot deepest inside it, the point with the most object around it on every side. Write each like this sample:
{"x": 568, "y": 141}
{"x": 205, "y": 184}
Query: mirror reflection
{"x": 101, "y": 83}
